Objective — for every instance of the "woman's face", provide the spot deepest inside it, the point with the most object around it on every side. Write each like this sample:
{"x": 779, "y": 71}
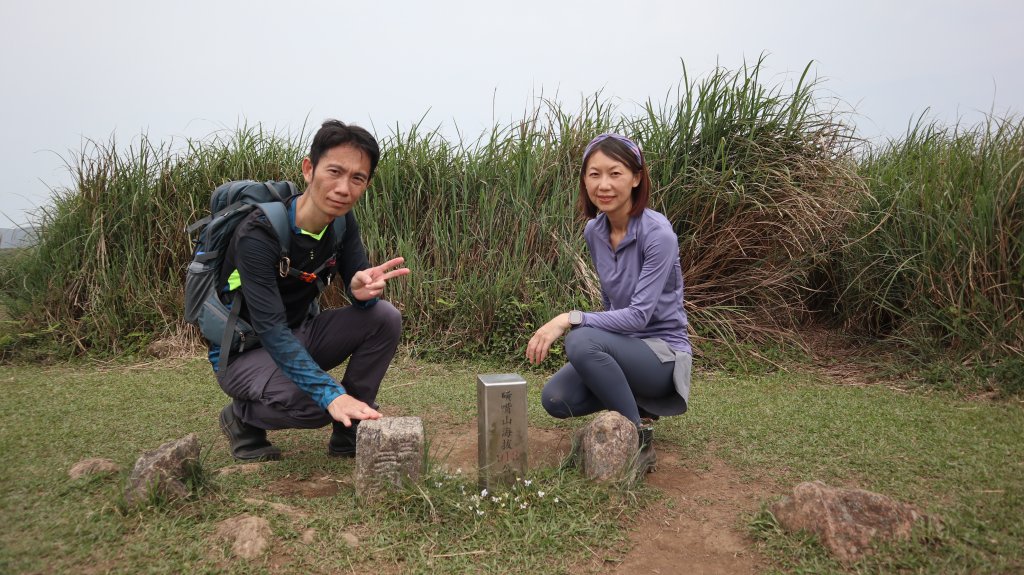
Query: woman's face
{"x": 610, "y": 184}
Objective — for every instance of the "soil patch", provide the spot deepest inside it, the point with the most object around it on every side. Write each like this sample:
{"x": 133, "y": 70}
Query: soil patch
{"x": 455, "y": 447}
{"x": 308, "y": 488}
{"x": 698, "y": 527}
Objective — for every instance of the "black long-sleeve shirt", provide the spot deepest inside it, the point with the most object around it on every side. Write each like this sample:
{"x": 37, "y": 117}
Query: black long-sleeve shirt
{"x": 274, "y": 305}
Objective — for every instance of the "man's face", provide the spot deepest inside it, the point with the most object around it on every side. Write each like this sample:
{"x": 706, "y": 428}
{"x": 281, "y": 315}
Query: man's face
{"x": 339, "y": 180}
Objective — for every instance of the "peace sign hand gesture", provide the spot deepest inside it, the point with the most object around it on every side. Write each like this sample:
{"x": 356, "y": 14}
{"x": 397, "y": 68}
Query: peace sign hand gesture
{"x": 369, "y": 283}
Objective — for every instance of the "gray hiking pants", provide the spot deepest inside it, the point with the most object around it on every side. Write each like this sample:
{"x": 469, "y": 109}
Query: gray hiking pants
{"x": 265, "y": 397}
{"x": 605, "y": 371}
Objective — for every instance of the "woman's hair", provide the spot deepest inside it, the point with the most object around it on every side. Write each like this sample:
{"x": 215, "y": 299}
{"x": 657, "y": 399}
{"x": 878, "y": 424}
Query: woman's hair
{"x": 621, "y": 149}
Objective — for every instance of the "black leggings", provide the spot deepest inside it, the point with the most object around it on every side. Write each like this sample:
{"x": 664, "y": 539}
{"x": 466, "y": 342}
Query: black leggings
{"x": 606, "y": 371}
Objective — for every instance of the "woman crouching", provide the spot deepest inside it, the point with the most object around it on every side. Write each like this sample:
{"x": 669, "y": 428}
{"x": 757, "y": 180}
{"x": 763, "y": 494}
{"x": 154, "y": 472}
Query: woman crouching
{"x": 634, "y": 356}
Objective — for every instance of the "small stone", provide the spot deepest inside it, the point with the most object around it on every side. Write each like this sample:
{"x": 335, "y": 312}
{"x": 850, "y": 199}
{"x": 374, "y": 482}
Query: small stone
{"x": 350, "y": 539}
{"x": 388, "y": 451}
{"x": 163, "y": 470}
{"x": 249, "y": 535}
{"x": 607, "y": 447}
{"x": 848, "y": 521}
{"x": 93, "y": 466}
{"x": 308, "y": 536}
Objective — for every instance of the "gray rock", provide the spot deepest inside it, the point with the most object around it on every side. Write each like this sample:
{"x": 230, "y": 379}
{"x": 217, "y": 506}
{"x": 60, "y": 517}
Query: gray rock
{"x": 606, "y": 447}
{"x": 163, "y": 470}
{"x": 249, "y": 535}
{"x": 388, "y": 451}
{"x": 848, "y": 521}
{"x": 93, "y": 466}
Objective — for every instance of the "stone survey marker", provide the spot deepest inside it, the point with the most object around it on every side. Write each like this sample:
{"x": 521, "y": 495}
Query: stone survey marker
{"x": 501, "y": 420}
{"x": 388, "y": 451}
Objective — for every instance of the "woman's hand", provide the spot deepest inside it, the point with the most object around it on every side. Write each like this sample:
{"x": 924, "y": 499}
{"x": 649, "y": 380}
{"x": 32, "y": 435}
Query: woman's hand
{"x": 369, "y": 283}
{"x": 540, "y": 343}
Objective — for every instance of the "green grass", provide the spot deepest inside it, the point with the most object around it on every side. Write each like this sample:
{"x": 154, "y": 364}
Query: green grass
{"x": 51, "y": 523}
{"x": 960, "y": 460}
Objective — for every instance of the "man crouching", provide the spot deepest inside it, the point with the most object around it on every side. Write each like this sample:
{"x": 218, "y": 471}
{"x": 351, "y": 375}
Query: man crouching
{"x": 284, "y": 384}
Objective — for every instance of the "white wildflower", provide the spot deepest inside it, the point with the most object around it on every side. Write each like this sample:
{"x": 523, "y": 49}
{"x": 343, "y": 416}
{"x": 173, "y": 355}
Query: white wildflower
{"x": 483, "y": 493}
{"x": 540, "y": 494}
{"x": 528, "y": 482}
{"x": 479, "y": 512}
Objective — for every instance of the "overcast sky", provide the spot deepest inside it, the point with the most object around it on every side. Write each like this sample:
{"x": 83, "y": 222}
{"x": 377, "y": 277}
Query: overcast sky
{"x": 82, "y": 69}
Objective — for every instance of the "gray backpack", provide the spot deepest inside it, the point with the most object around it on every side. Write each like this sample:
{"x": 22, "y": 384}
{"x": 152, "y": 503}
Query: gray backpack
{"x": 229, "y": 204}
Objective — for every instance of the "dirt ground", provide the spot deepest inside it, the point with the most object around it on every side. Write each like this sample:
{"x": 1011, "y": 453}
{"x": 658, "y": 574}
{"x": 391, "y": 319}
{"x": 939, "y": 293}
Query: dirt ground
{"x": 697, "y": 527}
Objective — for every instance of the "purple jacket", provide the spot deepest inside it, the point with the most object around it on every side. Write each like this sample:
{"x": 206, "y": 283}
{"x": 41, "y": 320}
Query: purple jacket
{"x": 641, "y": 280}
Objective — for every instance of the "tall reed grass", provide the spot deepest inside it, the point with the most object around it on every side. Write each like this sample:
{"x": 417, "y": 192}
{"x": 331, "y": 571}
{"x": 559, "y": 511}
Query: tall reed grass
{"x": 938, "y": 256}
{"x": 106, "y": 275}
{"x": 758, "y": 180}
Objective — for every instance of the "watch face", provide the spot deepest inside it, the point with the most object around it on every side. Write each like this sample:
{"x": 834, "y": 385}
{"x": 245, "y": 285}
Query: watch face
{"x": 575, "y": 317}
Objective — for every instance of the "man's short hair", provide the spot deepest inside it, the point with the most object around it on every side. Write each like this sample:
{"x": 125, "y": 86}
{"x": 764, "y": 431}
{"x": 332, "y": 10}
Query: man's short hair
{"x": 334, "y": 133}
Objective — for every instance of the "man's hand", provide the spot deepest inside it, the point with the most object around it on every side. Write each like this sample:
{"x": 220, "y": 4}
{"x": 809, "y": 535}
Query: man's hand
{"x": 369, "y": 283}
{"x": 345, "y": 408}
{"x": 540, "y": 343}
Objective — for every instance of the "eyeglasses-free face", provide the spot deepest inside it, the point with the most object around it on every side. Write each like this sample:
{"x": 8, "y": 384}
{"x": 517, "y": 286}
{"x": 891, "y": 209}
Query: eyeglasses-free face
{"x": 610, "y": 184}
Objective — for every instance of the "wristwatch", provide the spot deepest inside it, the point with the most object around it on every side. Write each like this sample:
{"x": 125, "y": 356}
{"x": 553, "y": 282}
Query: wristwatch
{"x": 575, "y": 318}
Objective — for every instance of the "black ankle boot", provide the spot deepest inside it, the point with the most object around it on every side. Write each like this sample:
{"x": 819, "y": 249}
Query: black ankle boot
{"x": 646, "y": 460}
{"x": 343, "y": 440}
{"x": 248, "y": 443}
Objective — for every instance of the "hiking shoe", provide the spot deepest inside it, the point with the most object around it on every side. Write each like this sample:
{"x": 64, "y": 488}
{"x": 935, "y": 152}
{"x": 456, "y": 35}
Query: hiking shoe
{"x": 343, "y": 440}
{"x": 646, "y": 459}
{"x": 248, "y": 443}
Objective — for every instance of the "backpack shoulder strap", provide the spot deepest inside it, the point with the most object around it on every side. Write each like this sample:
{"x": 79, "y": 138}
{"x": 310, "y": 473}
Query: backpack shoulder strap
{"x": 281, "y": 191}
{"x": 277, "y": 213}
{"x": 340, "y": 227}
